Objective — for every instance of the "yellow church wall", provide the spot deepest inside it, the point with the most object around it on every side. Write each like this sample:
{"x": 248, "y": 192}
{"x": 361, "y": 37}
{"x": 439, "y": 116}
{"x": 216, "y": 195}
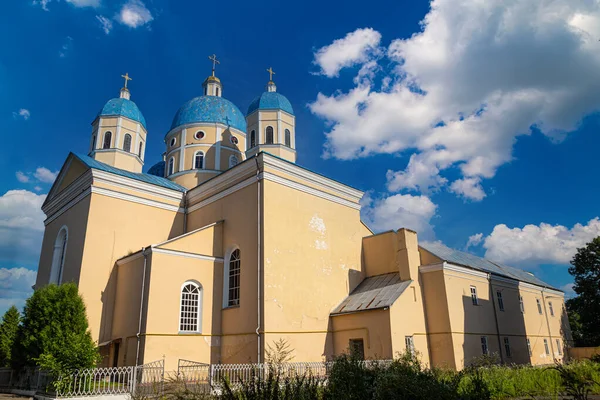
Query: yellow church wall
{"x": 193, "y": 178}
{"x": 277, "y": 150}
{"x": 379, "y": 254}
{"x": 427, "y": 258}
{"x": 208, "y": 241}
{"x": 169, "y": 201}
{"x": 373, "y": 327}
{"x": 324, "y": 250}
{"x": 76, "y": 169}
{"x": 209, "y": 157}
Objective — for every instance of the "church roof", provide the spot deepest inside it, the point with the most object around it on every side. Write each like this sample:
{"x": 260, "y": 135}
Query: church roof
{"x": 373, "y": 293}
{"x": 123, "y": 108}
{"x": 152, "y": 179}
{"x": 270, "y": 101}
{"x": 482, "y": 264}
{"x": 210, "y": 109}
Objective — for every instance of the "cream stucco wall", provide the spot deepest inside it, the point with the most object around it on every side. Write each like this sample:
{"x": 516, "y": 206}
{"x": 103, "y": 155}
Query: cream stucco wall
{"x": 373, "y": 327}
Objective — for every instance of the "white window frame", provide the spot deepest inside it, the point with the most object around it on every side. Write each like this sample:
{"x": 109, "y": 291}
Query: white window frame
{"x": 522, "y": 304}
{"x": 125, "y": 141}
{"x": 171, "y": 166}
{"x": 200, "y": 303}
{"x": 558, "y": 347}
{"x": 272, "y": 135}
{"x": 539, "y": 306}
{"x": 287, "y": 134}
{"x": 485, "y": 348}
{"x": 409, "y": 341}
{"x": 529, "y": 347}
{"x": 500, "y": 300}
{"x": 226, "y": 275}
{"x": 109, "y": 134}
{"x": 58, "y": 256}
{"x": 173, "y": 141}
{"x": 507, "y": 349}
{"x": 203, "y": 159}
{"x": 474, "y": 297}
{"x": 196, "y": 135}
{"x": 546, "y": 347}
{"x": 551, "y": 309}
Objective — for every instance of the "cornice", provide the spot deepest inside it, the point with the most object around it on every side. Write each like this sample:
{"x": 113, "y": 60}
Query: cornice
{"x": 204, "y": 124}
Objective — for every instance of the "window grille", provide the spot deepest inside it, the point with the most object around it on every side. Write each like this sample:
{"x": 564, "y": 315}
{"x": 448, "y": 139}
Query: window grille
{"x": 234, "y": 279}
{"x": 189, "y": 320}
{"x": 474, "y": 296}
{"x": 199, "y": 160}
{"x": 357, "y": 348}
{"x": 539, "y": 306}
{"x": 410, "y": 344}
{"x": 500, "y": 300}
{"x": 551, "y": 309}
{"x": 546, "y": 347}
{"x": 507, "y": 347}
{"x": 484, "y": 345}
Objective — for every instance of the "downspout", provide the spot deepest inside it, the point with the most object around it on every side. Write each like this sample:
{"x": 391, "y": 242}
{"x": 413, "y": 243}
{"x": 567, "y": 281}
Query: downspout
{"x": 547, "y": 321}
{"x": 258, "y": 259}
{"x": 495, "y": 317}
{"x": 137, "y": 351}
{"x": 184, "y": 213}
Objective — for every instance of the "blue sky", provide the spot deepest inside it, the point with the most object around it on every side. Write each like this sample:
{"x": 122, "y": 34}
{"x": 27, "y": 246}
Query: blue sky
{"x": 473, "y": 124}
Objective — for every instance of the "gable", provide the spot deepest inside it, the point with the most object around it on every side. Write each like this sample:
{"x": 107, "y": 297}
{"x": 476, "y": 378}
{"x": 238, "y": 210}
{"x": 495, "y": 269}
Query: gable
{"x": 72, "y": 169}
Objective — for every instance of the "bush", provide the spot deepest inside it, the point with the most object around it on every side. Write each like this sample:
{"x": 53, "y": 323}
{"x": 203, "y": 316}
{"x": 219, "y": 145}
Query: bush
{"x": 8, "y": 334}
{"x": 351, "y": 379}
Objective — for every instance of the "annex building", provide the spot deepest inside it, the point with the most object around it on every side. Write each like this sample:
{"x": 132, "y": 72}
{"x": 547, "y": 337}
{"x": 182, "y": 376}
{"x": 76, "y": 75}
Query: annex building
{"x": 228, "y": 246}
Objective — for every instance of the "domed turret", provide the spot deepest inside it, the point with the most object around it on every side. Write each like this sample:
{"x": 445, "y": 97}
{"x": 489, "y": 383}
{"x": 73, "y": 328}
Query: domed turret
{"x": 119, "y": 133}
{"x": 271, "y": 124}
{"x": 207, "y": 136}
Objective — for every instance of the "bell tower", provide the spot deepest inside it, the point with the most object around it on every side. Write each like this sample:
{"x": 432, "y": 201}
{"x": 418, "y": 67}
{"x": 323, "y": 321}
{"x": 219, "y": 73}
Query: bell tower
{"x": 212, "y": 85}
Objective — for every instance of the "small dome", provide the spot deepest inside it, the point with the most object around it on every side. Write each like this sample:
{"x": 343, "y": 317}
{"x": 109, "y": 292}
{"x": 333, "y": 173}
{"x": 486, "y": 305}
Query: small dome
{"x": 124, "y": 108}
{"x": 271, "y": 101}
{"x": 210, "y": 109}
{"x": 157, "y": 169}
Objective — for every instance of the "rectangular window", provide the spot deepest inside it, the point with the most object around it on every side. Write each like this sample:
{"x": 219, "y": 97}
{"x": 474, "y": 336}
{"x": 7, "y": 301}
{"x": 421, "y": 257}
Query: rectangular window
{"x": 484, "y": 346}
{"x": 500, "y": 301}
{"x": 507, "y": 347}
{"x": 546, "y": 347}
{"x": 558, "y": 347}
{"x": 551, "y": 309}
{"x": 521, "y": 304}
{"x": 539, "y": 305}
{"x": 474, "y": 296}
{"x": 357, "y": 348}
{"x": 529, "y": 347}
{"x": 410, "y": 345}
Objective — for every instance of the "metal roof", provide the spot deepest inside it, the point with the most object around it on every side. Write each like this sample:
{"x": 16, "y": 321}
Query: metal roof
{"x": 373, "y": 293}
{"x": 470, "y": 260}
{"x": 210, "y": 109}
{"x": 123, "y": 107}
{"x": 270, "y": 101}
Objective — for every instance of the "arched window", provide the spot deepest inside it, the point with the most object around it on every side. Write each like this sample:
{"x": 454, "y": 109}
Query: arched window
{"x": 199, "y": 160}
{"x": 107, "y": 139}
{"x": 93, "y": 142}
{"x": 269, "y": 139}
{"x": 127, "y": 142}
{"x": 288, "y": 138}
{"x": 233, "y": 161}
{"x": 217, "y": 92}
{"x": 252, "y": 139}
{"x": 191, "y": 307}
{"x": 140, "y": 151}
{"x": 58, "y": 257}
{"x": 171, "y": 166}
{"x": 233, "y": 297}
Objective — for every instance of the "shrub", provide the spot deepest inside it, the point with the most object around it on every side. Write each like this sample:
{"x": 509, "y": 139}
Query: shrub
{"x": 351, "y": 379}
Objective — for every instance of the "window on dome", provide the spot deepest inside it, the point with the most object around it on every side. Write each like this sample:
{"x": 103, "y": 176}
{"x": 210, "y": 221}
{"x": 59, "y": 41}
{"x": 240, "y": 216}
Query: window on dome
{"x": 288, "y": 138}
{"x": 107, "y": 139}
{"x": 233, "y": 140}
{"x": 140, "y": 151}
{"x": 252, "y": 139}
{"x": 233, "y": 161}
{"x": 199, "y": 160}
{"x": 127, "y": 143}
{"x": 199, "y": 135}
{"x": 171, "y": 166}
{"x": 173, "y": 141}
{"x": 269, "y": 138}
{"x": 191, "y": 307}
{"x": 217, "y": 91}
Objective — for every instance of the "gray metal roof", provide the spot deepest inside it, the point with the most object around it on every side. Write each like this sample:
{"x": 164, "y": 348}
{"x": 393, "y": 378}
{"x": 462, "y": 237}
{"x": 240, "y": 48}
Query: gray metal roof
{"x": 481, "y": 264}
{"x": 373, "y": 293}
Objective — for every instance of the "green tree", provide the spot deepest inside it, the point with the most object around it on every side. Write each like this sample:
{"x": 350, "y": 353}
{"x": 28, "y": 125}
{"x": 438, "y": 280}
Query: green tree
{"x": 585, "y": 268}
{"x": 8, "y": 333}
{"x": 54, "y": 332}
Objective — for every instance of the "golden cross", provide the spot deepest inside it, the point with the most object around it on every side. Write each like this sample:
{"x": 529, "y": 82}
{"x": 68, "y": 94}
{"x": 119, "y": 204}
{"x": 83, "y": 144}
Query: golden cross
{"x": 271, "y": 73}
{"x": 213, "y": 58}
{"x": 127, "y": 78}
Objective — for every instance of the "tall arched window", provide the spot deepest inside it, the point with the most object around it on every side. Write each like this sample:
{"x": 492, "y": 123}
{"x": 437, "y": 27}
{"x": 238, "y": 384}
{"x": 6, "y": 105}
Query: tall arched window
{"x": 199, "y": 160}
{"x": 269, "y": 139}
{"x": 140, "y": 151}
{"x": 127, "y": 143}
{"x": 190, "y": 318}
{"x": 233, "y": 161}
{"x": 107, "y": 139}
{"x": 171, "y": 166}
{"x": 58, "y": 257}
{"x": 288, "y": 138}
{"x": 233, "y": 297}
{"x": 252, "y": 139}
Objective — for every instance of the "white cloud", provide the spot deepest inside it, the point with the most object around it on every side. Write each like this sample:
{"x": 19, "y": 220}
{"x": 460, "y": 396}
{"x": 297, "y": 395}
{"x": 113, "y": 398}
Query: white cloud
{"x": 399, "y": 211}
{"x": 105, "y": 23}
{"x": 42, "y": 3}
{"x": 21, "y": 227}
{"x": 134, "y": 14}
{"x": 21, "y": 177}
{"x": 568, "y": 289}
{"x": 15, "y": 287}
{"x": 22, "y": 113}
{"x": 539, "y": 244}
{"x": 474, "y": 240}
{"x": 84, "y": 3}
{"x": 37, "y": 188}
{"x": 461, "y": 91}
{"x": 45, "y": 175}
{"x": 356, "y": 48}
{"x": 66, "y": 47}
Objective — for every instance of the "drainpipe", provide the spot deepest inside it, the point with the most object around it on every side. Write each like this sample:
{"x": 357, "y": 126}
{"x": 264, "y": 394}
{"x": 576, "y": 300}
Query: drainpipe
{"x": 489, "y": 276}
{"x": 137, "y": 351}
{"x": 184, "y": 213}
{"x": 547, "y": 322}
{"x": 258, "y": 259}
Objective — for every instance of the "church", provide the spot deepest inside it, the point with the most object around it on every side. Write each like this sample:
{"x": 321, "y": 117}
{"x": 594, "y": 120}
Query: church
{"x": 228, "y": 246}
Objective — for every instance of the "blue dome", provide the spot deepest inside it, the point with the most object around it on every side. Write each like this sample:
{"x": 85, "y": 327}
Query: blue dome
{"x": 210, "y": 109}
{"x": 157, "y": 169}
{"x": 124, "y": 108}
{"x": 271, "y": 101}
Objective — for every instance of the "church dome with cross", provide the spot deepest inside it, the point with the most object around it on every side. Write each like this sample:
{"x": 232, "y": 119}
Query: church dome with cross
{"x": 270, "y": 99}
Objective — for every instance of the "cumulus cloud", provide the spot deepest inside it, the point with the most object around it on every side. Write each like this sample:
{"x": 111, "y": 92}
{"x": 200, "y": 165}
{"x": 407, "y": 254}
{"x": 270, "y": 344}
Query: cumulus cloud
{"x": 399, "y": 211}
{"x": 462, "y": 90}
{"x": 21, "y": 177}
{"x": 45, "y": 175}
{"x": 134, "y": 14}
{"x": 539, "y": 244}
{"x": 21, "y": 227}
{"x": 76, "y": 3}
{"x": 474, "y": 240}
{"x": 105, "y": 23}
{"x": 15, "y": 287}
{"x": 356, "y": 48}
{"x": 23, "y": 113}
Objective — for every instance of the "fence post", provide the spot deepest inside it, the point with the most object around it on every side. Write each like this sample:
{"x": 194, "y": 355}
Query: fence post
{"x": 133, "y": 380}
{"x": 210, "y": 376}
